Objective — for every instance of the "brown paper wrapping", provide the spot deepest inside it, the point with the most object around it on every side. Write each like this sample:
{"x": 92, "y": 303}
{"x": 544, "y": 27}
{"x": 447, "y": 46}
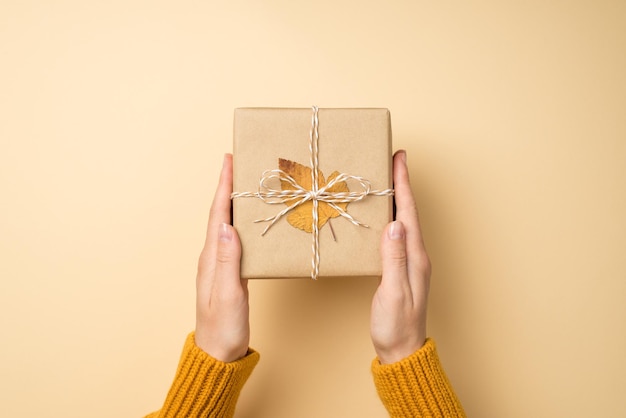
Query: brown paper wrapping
{"x": 351, "y": 141}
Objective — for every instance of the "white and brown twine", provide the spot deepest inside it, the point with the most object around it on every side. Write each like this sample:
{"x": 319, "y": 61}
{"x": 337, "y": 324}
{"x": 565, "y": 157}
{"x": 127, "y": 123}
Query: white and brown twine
{"x": 273, "y": 196}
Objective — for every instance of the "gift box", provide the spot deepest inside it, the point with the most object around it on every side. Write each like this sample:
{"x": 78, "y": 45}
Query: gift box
{"x": 276, "y": 205}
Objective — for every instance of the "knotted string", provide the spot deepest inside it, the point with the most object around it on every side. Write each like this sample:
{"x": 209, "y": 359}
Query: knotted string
{"x": 300, "y": 195}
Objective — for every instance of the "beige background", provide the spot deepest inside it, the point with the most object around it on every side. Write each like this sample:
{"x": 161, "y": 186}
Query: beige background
{"x": 113, "y": 120}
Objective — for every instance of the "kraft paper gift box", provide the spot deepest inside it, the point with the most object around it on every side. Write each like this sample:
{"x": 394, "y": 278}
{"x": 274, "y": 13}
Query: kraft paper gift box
{"x": 355, "y": 142}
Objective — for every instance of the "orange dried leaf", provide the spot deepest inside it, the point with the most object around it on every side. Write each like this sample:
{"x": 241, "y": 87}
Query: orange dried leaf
{"x": 301, "y": 217}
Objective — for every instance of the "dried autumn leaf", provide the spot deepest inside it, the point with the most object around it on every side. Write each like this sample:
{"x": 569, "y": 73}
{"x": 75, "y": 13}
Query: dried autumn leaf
{"x": 301, "y": 217}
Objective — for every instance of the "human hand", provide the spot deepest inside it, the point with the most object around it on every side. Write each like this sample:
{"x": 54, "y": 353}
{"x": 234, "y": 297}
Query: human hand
{"x": 222, "y": 310}
{"x": 398, "y": 321}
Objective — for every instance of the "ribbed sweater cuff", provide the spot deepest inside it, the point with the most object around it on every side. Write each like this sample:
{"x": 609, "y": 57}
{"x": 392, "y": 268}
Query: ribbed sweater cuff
{"x": 204, "y": 386}
{"x": 416, "y": 386}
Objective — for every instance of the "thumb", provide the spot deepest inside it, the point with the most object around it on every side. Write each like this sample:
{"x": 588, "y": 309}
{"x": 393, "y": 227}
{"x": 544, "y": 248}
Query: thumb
{"x": 227, "y": 268}
{"x": 393, "y": 254}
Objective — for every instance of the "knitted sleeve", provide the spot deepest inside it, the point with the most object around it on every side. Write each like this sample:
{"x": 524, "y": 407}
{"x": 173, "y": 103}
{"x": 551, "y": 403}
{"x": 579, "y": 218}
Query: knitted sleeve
{"x": 416, "y": 386}
{"x": 204, "y": 386}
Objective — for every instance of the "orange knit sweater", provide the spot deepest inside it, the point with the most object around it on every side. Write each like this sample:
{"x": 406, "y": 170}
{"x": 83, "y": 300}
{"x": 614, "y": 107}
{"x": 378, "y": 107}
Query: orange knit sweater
{"x": 205, "y": 387}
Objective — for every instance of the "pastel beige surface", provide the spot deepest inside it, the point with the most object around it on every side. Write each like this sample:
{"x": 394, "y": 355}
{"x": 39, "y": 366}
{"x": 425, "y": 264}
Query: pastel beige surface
{"x": 113, "y": 121}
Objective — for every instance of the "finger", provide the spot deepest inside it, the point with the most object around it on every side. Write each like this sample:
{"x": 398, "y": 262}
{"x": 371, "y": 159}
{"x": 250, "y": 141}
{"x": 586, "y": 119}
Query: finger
{"x": 405, "y": 203}
{"x": 395, "y": 279}
{"x": 406, "y": 209}
{"x": 227, "y": 282}
{"x": 418, "y": 263}
{"x": 220, "y": 208}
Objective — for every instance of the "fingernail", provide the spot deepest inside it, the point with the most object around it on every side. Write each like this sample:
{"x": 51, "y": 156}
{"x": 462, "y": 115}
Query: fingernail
{"x": 402, "y": 155}
{"x": 396, "y": 230}
{"x": 225, "y": 234}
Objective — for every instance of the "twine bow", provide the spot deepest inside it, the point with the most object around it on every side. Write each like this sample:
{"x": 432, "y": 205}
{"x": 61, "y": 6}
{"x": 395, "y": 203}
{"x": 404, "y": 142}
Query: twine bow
{"x": 300, "y": 195}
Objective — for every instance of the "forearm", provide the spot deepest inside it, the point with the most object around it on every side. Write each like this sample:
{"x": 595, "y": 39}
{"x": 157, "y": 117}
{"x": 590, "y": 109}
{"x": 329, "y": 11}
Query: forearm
{"x": 204, "y": 386}
{"x": 416, "y": 386}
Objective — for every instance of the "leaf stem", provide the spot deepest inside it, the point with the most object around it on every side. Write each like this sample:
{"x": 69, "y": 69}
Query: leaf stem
{"x": 332, "y": 231}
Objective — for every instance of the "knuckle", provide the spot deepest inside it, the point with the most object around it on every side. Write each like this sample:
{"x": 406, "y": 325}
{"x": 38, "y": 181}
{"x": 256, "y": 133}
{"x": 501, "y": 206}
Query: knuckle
{"x": 214, "y": 211}
{"x": 204, "y": 263}
{"x": 227, "y": 253}
{"x": 397, "y": 296}
{"x": 397, "y": 257}
{"x": 225, "y": 256}
{"x": 423, "y": 265}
